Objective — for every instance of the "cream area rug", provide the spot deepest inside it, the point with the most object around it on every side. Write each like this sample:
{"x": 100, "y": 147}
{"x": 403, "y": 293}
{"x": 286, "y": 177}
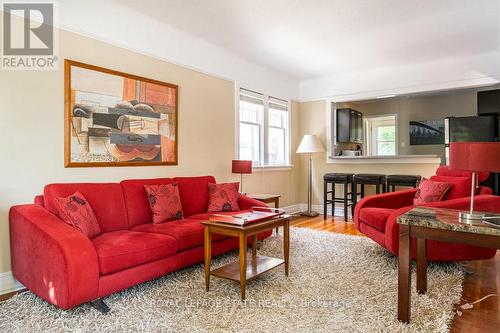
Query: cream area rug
{"x": 337, "y": 283}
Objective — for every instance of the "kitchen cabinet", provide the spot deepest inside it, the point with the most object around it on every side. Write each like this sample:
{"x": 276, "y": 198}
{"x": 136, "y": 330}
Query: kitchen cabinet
{"x": 349, "y": 126}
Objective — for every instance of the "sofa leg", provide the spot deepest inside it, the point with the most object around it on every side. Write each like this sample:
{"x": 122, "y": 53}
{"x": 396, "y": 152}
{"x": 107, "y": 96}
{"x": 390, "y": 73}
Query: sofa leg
{"x": 100, "y": 306}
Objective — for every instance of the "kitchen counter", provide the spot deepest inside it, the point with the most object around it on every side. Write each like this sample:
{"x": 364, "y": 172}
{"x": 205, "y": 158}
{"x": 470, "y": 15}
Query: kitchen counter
{"x": 384, "y": 159}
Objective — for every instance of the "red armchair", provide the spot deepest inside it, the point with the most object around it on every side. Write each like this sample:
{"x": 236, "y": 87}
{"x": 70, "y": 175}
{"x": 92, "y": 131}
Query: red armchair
{"x": 376, "y": 216}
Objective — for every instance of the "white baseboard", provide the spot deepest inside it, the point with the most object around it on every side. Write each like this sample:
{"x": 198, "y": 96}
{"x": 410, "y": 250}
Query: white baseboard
{"x": 8, "y": 283}
{"x": 292, "y": 209}
{"x": 339, "y": 211}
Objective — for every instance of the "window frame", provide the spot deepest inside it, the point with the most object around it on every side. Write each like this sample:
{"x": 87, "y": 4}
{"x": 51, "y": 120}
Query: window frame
{"x": 371, "y": 141}
{"x": 264, "y": 131}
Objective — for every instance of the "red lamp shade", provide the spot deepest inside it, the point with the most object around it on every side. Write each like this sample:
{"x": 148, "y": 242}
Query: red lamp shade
{"x": 242, "y": 166}
{"x": 475, "y": 156}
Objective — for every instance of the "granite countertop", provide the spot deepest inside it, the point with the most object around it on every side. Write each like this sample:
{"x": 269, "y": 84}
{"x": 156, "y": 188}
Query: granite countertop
{"x": 446, "y": 219}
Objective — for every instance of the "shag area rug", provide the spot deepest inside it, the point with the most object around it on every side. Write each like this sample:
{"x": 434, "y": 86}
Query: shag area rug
{"x": 337, "y": 283}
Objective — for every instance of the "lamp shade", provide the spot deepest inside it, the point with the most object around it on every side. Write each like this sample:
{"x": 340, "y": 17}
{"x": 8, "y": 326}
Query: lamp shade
{"x": 475, "y": 156}
{"x": 242, "y": 166}
{"x": 310, "y": 144}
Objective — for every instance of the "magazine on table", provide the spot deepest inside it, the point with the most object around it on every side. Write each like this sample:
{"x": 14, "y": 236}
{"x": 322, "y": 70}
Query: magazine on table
{"x": 257, "y": 214}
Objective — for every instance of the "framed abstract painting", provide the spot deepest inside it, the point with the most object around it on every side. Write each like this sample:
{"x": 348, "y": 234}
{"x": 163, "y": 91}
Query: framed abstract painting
{"x": 118, "y": 119}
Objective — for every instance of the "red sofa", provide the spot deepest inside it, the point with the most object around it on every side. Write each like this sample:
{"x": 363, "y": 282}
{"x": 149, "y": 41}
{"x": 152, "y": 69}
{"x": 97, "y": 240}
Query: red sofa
{"x": 66, "y": 268}
{"x": 376, "y": 216}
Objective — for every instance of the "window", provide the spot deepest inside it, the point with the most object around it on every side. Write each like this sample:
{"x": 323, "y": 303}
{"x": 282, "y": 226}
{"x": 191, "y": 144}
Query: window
{"x": 251, "y": 121}
{"x": 381, "y": 135}
{"x": 263, "y": 129}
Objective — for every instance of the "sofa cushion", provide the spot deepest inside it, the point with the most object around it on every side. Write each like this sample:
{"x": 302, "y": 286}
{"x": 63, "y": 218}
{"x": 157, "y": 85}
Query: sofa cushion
{"x": 76, "y": 211}
{"x": 194, "y": 193}
{"x": 223, "y": 197}
{"x": 106, "y": 200}
{"x": 188, "y": 233}
{"x": 165, "y": 202}
{"x": 136, "y": 199}
{"x": 375, "y": 217}
{"x": 123, "y": 249}
{"x": 460, "y": 186}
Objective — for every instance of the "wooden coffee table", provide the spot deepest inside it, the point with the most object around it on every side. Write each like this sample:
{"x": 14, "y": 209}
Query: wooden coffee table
{"x": 248, "y": 266}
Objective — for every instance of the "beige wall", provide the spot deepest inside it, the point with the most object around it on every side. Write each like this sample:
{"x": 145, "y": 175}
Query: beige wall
{"x": 32, "y": 133}
{"x": 312, "y": 121}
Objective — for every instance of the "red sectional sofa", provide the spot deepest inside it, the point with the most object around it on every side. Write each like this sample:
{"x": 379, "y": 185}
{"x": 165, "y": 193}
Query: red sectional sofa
{"x": 64, "y": 267}
{"x": 376, "y": 216}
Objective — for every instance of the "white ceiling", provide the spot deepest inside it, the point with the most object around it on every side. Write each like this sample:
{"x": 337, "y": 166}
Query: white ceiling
{"x": 320, "y": 38}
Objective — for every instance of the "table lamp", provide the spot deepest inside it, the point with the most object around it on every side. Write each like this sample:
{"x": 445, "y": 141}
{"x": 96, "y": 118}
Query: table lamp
{"x": 475, "y": 157}
{"x": 310, "y": 144}
{"x": 241, "y": 167}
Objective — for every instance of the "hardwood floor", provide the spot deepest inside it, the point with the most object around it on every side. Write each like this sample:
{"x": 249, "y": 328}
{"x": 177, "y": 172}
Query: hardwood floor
{"x": 483, "y": 280}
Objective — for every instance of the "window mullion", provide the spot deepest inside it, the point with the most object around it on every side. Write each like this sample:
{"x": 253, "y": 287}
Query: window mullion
{"x": 265, "y": 140}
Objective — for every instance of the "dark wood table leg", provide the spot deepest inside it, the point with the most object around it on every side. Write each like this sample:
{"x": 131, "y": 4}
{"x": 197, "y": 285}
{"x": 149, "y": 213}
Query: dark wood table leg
{"x": 421, "y": 265}
{"x": 404, "y": 274}
{"x": 277, "y": 205}
{"x": 243, "y": 264}
{"x": 208, "y": 256}
{"x": 286, "y": 244}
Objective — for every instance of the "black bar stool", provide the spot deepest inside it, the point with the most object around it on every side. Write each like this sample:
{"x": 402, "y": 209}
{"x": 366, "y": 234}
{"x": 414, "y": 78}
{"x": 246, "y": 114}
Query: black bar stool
{"x": 367, "y": 179}
{"x": 337, "y": 178}
{"x": 402, "y": 180}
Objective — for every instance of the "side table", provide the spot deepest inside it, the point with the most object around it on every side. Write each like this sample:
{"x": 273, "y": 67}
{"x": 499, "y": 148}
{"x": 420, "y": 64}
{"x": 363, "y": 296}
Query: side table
{"x": 423, "y": 223}
{"x": 267, "y": 198}
{"x": 251, "y": 266}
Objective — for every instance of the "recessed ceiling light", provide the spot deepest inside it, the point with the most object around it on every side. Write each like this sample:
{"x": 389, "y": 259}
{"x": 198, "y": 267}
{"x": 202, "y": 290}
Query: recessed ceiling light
{"x": 386, "y": 96}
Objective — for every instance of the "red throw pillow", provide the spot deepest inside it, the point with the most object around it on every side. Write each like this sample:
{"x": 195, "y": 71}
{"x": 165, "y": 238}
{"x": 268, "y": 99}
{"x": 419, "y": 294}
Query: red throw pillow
{"x": 430, "y": 191}
{"x": 223, "y": 197}
{"x": 460, "y": 186}
{"x": 75, "y": 210}
{"x": 165, "y": 202}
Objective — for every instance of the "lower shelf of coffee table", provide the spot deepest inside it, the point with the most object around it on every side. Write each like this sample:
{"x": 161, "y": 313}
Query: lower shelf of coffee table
{"x": 255, "y": 267}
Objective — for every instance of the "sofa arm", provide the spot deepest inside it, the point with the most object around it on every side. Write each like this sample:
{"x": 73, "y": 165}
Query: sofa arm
{"x": 246, "y": 202}
{"x": 392, "y": 200}
{"x": 52, "y": 259}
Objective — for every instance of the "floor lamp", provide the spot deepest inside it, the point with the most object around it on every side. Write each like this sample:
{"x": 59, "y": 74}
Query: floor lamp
{"x": 310, "y": 144}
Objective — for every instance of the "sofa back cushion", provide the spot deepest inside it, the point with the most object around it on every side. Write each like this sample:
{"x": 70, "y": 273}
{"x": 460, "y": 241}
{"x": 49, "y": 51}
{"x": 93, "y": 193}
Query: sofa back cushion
{"x": 136, "y": 199}
{"x": 194, "y": 194}
{"x": 446, "y": 171}
{"x": 106, "y": 200}
{"x": 460, "y": 186}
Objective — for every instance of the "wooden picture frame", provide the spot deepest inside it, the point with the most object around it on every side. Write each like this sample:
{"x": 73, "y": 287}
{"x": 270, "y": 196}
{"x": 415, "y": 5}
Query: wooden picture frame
{"x": 115, "y": 119}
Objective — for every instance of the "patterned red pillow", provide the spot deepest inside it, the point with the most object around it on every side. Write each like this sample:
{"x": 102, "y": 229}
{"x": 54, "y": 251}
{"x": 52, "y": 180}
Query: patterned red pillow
{"x": 75, "y": 210}
{"x": 165, "y": 202}
{"x": 223, "y": 197}
{"x": 430, "y": 191}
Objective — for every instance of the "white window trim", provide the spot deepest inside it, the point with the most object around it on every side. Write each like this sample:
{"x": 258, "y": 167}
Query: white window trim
{"x": 264, "y": 134}
{"x": 366, "y": 131}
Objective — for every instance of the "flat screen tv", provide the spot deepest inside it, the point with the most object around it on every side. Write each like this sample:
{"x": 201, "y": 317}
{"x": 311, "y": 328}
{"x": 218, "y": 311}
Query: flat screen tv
{"x": 427, "y": 132}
